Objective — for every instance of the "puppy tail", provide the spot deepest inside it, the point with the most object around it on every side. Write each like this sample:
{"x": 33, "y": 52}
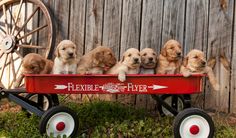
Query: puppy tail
{"x": 212, "y": 79}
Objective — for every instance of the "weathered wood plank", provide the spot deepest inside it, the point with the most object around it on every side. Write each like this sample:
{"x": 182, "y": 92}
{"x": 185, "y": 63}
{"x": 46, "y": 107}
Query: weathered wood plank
{"x": 77, "y": 24}
{"x": 43, "y": 34}
{"x": 130, "y": 32}
{"x": 196, "y": 30}
{"x": 219, "y": 40}
{"x": 196, "y": 25}
{"x": 93, "y": 33}
{"x": 233, "y": 71}
{"x": 94, "y": 18}
{"x": 61, "y": 17}
{"x": 150, "y": 37}
{"x": 173, "y": 20}
{"x": 77, "y": 28}
{"x": 112, "y": 32}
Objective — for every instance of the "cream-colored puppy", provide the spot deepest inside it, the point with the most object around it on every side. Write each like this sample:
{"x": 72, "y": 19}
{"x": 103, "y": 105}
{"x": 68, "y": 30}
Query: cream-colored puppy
{"x": 195, "y": 63}
{"x": 65, "y": 61}
{"x": 129, "y": 64}
{"x": 169, "y": 61}
{"x": 148, "y": 61}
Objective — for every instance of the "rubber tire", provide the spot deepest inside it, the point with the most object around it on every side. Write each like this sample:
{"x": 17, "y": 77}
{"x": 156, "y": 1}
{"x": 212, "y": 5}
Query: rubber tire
{"x": 57, "y": 109}
{"x": 188, "y": 112}
{"x": 165, "y": 96}
{"x": 50, "y": 102}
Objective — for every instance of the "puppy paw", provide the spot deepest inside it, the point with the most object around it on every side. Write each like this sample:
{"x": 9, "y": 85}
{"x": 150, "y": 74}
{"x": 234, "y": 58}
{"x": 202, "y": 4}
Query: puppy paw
{"x": 121, "y": 78}
{"x": 186, "y": 74}
{"x": 216, "y": 87}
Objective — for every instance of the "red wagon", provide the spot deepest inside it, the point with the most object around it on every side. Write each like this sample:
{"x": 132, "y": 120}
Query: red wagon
{"x": 43, "y": 89}
{"x": 191, "y": 122}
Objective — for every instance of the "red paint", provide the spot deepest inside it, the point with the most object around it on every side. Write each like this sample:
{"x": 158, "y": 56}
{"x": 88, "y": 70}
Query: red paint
{"x": 194, "y": 129}
{"x": 103, "y": 84}
{"x": 60, "y": 126}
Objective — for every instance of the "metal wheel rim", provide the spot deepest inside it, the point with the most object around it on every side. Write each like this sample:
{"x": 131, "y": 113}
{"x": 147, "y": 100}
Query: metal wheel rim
{"x": 45, "y": 101}
{"x": 64, "y": 117}
{"x": 168, "y": 101}
{"x": 197, "y": 120}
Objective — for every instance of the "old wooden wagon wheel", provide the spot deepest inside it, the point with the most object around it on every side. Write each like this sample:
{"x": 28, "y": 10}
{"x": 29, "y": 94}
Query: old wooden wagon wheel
{"x": 25, "y": 27}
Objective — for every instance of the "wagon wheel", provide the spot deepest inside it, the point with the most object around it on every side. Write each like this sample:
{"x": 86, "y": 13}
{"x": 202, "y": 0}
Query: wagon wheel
{"x": 175, "y": 101}
{"x": 59, "y": 121}
{"x": 193, "y": 122}
{"x": 25, "y": 27}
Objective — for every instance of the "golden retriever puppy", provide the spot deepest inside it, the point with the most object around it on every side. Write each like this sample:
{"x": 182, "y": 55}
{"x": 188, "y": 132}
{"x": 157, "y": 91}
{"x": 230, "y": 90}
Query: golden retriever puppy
{"x": 148, "y": 61}
{"x": 129, "y": 64}
{"x": 34, "y": 64}
{"x": 65, "y": 61}
{"x": 169, "y": 60}
{"x": 97, "y": 61}
{"x": 195, "y": 63}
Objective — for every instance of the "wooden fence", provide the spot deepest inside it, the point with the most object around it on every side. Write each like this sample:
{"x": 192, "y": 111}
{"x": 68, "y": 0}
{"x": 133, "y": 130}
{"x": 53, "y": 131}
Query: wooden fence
{"x": 208, "y": 25}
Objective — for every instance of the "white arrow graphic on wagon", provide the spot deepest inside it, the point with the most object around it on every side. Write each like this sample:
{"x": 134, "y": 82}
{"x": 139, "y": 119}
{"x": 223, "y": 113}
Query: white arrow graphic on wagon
{"x": 156, "y": 87}
{"x": 60, "y": 87}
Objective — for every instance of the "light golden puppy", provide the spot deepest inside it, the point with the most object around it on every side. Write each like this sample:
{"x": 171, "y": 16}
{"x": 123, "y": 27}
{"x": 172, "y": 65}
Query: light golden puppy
{"x": 148, "y": 61}
{"x": 195, "y": 63}
{"x": 129, "y": 64}
{"x": 97, "y": 61}
{"x": 34, "y": 64}
{"x": 65, "y": 61}
{"x": 169, "y": 60}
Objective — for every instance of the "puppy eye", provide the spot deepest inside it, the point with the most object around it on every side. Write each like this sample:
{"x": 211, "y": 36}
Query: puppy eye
{"x": 153, "y": 54}
{"x": 32, "y": 67}
{"x": 144, "y": 54}
{"x": 63, "y": 48}
{"x": 129, "y": 55}
{"x": 195, "y": 57}
{"x": 172, "y": 48}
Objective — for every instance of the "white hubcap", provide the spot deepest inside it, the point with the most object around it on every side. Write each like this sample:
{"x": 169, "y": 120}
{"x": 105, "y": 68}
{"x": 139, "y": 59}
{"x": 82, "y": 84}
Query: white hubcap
{"x": 194, "y": 126}
{"x": 60, "y": 124}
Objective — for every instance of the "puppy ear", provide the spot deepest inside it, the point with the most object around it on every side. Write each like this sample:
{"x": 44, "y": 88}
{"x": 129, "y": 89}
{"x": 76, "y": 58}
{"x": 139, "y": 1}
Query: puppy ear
{"x": 42, "y": 64}
{"x": 163, "y": 52}
{"x": 99, "y": 55}
{"x": 57, "y": 54}
{"x": 185, "y": 61}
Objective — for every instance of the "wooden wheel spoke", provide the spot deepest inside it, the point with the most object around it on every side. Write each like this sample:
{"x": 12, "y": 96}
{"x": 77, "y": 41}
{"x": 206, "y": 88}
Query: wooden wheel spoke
{"x": 3, "y": 67}
{"x": 13, "y": 70}
{"x": 17, "y": 16}
{"x": 16, "y": 74}
{"x": 31, "y": 46}
{"x": 5, "y": 18}
{"x": 13, "y": 67}
{"x": 14, "y": 22}
{"x": 35, "y": 30}
{"x": 1, "y": 54}
{"x": 18, "y": 53}
{"x": 30, "y": 17}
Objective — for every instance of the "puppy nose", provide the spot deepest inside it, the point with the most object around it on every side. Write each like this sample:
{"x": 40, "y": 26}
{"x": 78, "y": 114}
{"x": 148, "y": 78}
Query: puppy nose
{"x": 70, "y": 54}
{"x": 179, "y": 53}
{"x": 203, "y": 62}
{"x": 136, "y": 59}
{"x": 150, "y": 59}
